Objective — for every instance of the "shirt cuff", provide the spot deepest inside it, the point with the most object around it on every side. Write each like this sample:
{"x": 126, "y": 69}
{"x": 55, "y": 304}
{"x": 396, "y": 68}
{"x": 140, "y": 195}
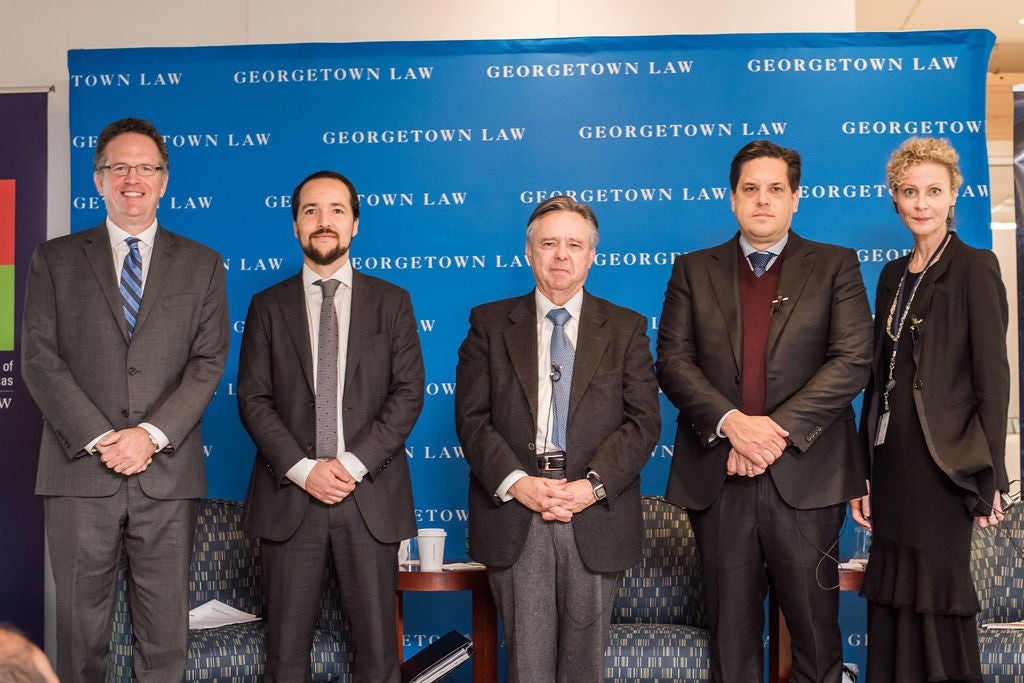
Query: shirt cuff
{"x": 162, "y": 441}
{"x": 299, "y": 471}
{"x": 353, "y": 464}
{"x": 91, "y": 446}
{"x": 502, "y": 493}
{"x": 718, "y": 427}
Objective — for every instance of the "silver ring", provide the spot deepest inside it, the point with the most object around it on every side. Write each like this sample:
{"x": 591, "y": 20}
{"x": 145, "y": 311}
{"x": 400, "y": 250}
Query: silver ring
{"x": 749, "y": 468}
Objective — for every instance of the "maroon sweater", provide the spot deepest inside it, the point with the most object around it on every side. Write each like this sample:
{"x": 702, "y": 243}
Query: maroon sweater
{"x": 756, "y": 295}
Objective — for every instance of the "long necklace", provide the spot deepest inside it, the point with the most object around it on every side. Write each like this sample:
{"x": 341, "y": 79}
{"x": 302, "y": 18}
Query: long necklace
{"x": 895, "y": 330}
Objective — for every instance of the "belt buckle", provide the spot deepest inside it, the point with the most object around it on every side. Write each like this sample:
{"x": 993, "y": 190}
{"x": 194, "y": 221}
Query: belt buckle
{"x": 553, "y": 461}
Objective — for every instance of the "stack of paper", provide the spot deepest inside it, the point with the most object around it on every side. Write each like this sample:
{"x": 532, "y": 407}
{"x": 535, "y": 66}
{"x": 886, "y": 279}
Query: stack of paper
{"x": 215, "y": 613}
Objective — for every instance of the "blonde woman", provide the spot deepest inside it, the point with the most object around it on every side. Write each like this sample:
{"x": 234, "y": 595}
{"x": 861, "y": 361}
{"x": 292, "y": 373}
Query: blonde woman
{"x": 934, "y": 424}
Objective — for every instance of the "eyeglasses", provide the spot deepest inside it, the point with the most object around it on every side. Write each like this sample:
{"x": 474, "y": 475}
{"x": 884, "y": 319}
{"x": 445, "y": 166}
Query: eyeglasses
{"x": 125, "y": 169}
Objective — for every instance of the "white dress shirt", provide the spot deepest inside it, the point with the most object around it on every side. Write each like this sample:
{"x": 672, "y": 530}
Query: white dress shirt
{"x": 343, "y": 306}
{"x": 545, "y": 404}
{"x": 119, "y": 249}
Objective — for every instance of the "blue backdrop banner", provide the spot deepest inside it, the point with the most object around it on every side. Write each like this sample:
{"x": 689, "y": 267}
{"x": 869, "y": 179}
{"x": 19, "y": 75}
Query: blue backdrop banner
{"x": 450, "y": 144}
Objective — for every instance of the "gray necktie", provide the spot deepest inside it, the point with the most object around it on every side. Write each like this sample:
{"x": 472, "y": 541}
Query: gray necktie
{"x": 327, "y": 375}
{"x": 562, "y": 357}
{"x": 759, "y": 260}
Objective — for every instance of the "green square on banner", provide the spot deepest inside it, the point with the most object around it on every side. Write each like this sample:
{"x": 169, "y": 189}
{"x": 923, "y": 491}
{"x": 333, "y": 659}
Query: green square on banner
{"x": 7, "y": 308}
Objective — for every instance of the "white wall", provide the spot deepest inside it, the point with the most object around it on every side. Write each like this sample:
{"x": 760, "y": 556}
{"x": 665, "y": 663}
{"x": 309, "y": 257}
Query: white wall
{"x": 35, "y": 36}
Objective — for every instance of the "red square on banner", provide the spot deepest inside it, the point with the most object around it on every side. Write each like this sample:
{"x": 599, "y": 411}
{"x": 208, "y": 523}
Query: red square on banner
{"x": 7, "y": 222}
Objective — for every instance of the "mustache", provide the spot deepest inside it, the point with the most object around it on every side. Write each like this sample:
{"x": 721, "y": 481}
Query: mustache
{"x": 324, "y": 231}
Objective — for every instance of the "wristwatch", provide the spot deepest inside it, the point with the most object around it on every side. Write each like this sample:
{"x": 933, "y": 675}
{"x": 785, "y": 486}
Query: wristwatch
{"x": 152, "y": 440}
{"x": 595, "y": 481}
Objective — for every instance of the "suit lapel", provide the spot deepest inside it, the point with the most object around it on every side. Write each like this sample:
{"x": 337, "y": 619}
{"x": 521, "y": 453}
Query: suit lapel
{"x": 797, "y": 264}
{"x": 162, "y": 263}
{"x": 917, "y": 319}
{"x": 521, "y": 342}
{"x": 923, "y": 298}
{"x": 292, "y": 302}
{"x": 362, "y": 320}
{"x": 101, "y": 260}
{"x": 724, "y": 280}
{"x": 591, "y": 343}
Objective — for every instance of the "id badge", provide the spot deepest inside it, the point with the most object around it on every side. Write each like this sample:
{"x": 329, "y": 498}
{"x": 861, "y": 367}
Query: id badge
{"x": 883, "y": 427}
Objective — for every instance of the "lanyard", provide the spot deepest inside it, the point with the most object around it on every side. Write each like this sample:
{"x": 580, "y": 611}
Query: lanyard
{"x": 895, "y": 329}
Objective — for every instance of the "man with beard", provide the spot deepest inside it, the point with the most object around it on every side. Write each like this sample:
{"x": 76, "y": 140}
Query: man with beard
{"x": 330, "y": 383}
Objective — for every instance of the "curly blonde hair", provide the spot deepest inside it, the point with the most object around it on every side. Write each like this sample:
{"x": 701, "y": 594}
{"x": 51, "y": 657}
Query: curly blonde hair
{"x": 916, "y": 151}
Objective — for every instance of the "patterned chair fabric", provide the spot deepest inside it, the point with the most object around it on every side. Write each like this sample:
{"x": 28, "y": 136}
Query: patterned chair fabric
{"x": 997, "y": 564}
{"x": 658, "y": 631}
{"x": 226, "y": 567}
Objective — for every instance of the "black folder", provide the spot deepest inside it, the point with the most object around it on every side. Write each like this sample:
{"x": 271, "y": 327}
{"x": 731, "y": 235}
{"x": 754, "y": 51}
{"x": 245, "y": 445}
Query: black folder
{"x": 438, "y": 659}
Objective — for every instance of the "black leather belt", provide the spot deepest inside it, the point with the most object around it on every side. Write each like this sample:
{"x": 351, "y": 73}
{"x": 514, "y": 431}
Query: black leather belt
{"x": 551, "y": 465}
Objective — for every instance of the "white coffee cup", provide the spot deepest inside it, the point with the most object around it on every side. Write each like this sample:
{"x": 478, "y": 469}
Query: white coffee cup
{"x": 430, "y": 544}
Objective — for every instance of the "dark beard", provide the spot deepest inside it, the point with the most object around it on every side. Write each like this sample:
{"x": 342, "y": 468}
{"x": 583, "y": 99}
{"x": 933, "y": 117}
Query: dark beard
{"x": 321, "y": 259}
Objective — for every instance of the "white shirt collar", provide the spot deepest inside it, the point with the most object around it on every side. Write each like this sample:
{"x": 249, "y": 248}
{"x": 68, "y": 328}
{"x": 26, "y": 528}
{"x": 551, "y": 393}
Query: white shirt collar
{"x": 573, "y": 305}
{"x": 117, "y": 235}
{"x": 342, "y": 275}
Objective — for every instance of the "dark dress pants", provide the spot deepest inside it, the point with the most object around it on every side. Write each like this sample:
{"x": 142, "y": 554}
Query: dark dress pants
{"x": 294, "y": 572}
{"x": 750, "y": 539}
{"x": 85, "y": 538}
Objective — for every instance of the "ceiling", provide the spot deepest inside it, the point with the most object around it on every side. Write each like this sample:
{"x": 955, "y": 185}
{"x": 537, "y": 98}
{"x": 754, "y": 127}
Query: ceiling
{"x": 998, "y": 16}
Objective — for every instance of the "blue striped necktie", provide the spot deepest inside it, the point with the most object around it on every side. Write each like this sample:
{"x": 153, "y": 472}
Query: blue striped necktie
{"x": 131, "y": 284}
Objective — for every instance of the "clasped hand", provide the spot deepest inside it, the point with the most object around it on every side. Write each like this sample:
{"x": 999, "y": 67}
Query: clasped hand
{"x": 757, "y": 441}
{"x": 557, "y": 500}
{"x": 128, "y": 451}
{"x": 329, "y": 482}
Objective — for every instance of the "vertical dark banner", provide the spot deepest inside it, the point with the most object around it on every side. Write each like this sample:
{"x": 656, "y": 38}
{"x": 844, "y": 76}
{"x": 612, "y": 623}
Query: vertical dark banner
{"x": 22, "y": 227}
{"x": 1018, "y": 193}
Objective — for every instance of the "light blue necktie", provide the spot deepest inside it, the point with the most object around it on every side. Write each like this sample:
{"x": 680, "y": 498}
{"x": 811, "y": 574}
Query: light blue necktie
{"x": 562, "y": 356}
{"x": 131, "y": 284}
{"x": 759, "y": 260}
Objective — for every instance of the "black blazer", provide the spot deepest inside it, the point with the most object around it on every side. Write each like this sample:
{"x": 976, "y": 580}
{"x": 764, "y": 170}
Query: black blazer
{"x": 613, "y": 425}
{"x": 383, "y": 397}
{"x": 818, "y": 352}
{"x": 962, "y": 376}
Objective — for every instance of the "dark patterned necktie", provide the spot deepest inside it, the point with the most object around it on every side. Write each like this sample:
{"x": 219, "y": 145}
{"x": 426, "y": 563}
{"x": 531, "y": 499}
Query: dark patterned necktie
{"x": 562, "y": 357}
{"x": 327, "y": 375}
{"x": 759, "y": 260}
{"x": 131, "y": 284}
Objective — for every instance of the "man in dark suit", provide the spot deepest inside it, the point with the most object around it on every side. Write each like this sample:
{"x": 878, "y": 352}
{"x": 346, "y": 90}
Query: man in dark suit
{"x": 330, "y": 383}
{"x": 556, "y": 405}
{"x": 125, "y": 339}
{"x": 763, "y": 343}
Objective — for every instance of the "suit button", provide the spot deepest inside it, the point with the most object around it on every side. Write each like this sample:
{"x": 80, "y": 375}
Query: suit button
{"x": 124, "y": 413}
{"x": 918, "y": 384}
{"x": 310, "y": 447}
{"x": 132, "y": 371}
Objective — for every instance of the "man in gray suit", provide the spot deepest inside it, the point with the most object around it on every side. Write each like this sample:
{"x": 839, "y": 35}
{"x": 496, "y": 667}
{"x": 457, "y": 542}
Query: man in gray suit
{"x": 556, "y": 405}
{"x": 763, "y": 343}
{"x": 330, "y": 384}
{"x": 125, "y": 339}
